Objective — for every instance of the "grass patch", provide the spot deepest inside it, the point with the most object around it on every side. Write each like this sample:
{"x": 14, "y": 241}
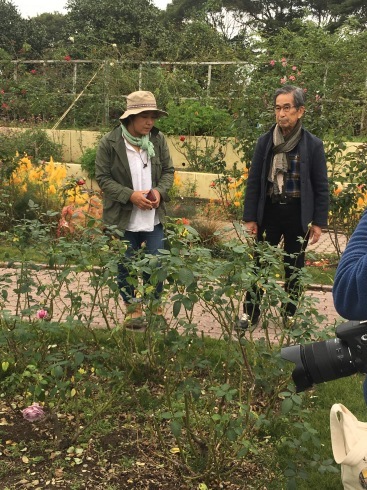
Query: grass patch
{"x": 347, "y": 391}
{"x": 322, "y": 268}
{"x": 8, "y": 253}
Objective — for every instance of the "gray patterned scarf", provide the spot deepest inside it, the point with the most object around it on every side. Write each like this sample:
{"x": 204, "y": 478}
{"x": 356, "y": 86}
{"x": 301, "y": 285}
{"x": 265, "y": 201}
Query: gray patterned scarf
{"x": 282, "y": 144}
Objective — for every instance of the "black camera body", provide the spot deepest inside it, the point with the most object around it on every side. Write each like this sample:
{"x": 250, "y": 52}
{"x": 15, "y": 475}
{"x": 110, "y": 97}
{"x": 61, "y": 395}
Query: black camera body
{"x": 330, "y": 359}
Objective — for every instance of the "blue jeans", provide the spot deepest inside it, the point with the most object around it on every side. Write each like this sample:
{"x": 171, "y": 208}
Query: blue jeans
{"x": 154, "y": 241}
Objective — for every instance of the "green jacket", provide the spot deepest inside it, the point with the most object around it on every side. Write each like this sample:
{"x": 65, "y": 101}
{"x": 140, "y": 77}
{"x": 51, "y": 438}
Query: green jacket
{"x": 114, "y": 178}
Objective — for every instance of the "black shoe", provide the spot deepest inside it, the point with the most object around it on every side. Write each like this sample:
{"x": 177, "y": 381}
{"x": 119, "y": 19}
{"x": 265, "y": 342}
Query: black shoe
{"x": 246, "y": 321}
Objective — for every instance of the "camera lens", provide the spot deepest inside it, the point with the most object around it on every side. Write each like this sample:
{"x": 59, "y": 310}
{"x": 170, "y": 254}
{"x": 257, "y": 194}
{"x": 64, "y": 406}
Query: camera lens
{"x": 330, "y": 359}
{"x": 319, "y": 362}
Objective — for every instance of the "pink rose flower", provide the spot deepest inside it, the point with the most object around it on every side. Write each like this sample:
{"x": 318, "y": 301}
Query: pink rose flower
{"x": 33, "y": 413}
{"x": 294, "y": 68}
{"x": 272, "y": 62}
{"x": 41, "y": 314}
{"x": 283, "y": 80}
{"x": 292, "y": 77}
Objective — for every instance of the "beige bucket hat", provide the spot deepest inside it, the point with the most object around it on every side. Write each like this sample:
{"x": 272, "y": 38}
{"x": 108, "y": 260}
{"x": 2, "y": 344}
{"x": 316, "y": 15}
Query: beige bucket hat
{"x": 141, "y": 101}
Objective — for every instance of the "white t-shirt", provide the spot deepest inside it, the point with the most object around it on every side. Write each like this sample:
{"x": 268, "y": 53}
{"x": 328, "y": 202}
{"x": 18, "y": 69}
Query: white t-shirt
{"x": 141, "y": 173}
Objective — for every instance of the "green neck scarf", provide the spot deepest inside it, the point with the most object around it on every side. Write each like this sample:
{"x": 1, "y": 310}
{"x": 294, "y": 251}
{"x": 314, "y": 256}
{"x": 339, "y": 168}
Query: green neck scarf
{"x": 143, "y": 142}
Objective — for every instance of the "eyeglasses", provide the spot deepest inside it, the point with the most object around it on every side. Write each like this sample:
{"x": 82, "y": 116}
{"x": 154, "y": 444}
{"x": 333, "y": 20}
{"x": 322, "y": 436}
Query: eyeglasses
{"x": 285, "y": 108}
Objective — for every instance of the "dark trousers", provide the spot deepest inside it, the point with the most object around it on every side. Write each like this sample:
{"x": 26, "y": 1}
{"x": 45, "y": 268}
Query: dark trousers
{"x": 281, "y": 220}
{"x": 154, "y": 240}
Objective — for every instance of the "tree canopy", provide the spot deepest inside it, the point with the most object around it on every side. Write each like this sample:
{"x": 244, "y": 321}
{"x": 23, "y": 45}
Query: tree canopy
{"x": 187, "y": 29}
{"x": 125, "y": 23}
{"x": 12, "y": 33}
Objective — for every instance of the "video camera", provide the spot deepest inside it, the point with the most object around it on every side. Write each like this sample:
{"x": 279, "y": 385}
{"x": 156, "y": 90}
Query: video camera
{"x": 330, "y": 359}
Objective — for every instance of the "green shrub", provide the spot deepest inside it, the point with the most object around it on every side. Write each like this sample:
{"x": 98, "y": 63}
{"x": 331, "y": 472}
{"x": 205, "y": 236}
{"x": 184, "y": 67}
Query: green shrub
{"x": 196, "y": 119}
{"x": 88, "y": 161}
{"x": 35, "y": 143}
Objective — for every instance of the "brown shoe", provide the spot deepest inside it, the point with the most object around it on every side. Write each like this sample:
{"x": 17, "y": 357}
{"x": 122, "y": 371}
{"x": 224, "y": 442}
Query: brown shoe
{"x": 158, "y": 311}
{"x": 134, "y": 318}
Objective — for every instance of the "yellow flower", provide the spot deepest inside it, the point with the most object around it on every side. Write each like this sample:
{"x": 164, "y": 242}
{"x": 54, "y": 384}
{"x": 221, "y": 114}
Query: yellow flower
{"x": 177, "y": 180}
{"x": 361, "y": 202}
{"x": 237, "y": 204}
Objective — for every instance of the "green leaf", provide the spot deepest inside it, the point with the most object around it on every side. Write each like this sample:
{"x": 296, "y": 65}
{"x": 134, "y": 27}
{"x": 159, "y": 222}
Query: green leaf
{"x": 166, "y": 415}
{"x": 4, "y": 366}
{"x": 287, "y": 405}
{"x": 57, "y": 371}
{"x": 176, "y": 428}
{"x": 186, "y": 277}
{"x": 176, "y": 308}
{"x": 242, "y": 452}
{"x": 79, "y": 358}
{"x": 231, "y": 435}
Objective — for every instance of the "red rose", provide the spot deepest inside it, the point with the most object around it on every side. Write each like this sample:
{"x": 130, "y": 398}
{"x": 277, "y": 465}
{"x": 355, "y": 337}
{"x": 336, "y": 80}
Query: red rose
{"x": 80, "y": 182}
{"x": 182, "y": 138}
{"x": 67, "y": 58}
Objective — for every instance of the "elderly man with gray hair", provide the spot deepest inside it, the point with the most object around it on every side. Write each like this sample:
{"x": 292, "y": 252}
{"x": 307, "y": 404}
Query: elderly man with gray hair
{"x": 287, "y": 196}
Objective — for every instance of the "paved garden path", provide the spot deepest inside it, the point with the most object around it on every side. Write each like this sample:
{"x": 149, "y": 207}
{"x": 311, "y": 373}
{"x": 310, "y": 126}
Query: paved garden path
{"x": 204, "y": 320}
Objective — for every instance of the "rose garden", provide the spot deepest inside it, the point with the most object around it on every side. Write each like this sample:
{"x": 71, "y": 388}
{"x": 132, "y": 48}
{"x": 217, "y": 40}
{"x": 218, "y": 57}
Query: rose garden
{"x": 88, "y": 404}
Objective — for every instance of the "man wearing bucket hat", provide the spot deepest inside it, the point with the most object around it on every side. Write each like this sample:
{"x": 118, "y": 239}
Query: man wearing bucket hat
{"x": 135, "y": 173}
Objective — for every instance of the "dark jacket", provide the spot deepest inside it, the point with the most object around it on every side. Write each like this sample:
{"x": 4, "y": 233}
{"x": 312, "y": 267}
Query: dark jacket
{"x": 114, "y": 177}
{"x": 350, "y": 283}
{"x": 313, "y": 180}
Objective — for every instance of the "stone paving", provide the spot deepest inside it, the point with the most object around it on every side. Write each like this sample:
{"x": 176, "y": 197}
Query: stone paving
{"x": 324, "y": 245}
{"x": 107, "y": 311}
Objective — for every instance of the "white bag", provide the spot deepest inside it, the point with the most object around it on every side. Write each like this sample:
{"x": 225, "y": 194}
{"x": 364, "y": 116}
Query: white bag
{"x": 349, "y": 443}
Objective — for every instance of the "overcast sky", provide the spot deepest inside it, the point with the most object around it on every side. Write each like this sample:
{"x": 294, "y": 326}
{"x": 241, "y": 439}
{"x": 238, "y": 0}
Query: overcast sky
{"x": 31, "y": 8}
